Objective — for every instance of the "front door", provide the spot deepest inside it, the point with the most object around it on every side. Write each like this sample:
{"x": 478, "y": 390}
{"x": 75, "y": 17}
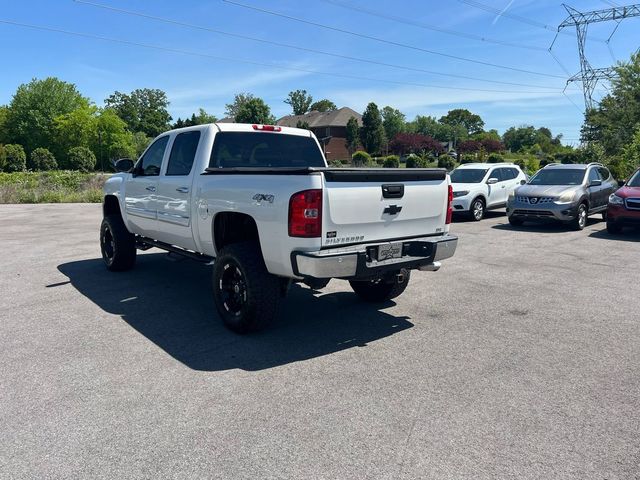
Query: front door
{"x": 140, "y": 189}
{"x": 174, "y": 192}
{"x": 595, "y": 191}
{"x": 497, "y": 191}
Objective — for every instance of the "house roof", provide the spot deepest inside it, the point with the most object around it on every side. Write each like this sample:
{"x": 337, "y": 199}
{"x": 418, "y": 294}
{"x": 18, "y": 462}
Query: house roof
{"x": 334, "y": 118}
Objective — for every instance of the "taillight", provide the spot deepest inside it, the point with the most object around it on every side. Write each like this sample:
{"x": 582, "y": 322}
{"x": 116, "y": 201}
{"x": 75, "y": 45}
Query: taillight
{"x": 267, "y": 128}
{"x": 449, "y": 207}
{"x": 305, "y": 214}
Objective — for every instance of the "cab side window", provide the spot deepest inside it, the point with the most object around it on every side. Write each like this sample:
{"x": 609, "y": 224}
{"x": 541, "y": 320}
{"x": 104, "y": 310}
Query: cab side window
{"x": 183, "y": 153}
{"x": 604, "y": 173}
{"x": 150, "y": 163}
{"x": 594, "y": 175}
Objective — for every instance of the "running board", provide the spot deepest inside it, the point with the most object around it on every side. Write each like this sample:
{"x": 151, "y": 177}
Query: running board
{"x": 144, "y": 243}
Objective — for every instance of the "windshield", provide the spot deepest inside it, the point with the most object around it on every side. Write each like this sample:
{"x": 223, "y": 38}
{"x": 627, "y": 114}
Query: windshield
{"x": 264, "y": 150}
{"x": 634, "y": 181}
{"x": 468, "y": 175}
{"x": 558, "y": 176}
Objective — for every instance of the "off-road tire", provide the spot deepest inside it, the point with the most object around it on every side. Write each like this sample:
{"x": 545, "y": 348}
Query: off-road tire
{"x": 379, "y": 291}
{"x": 117, "y": 244}
{"x": 477, "y": 209}
{"x": 582, "y": 215}
{"x": 614, "y": 228}
{"x": 255, "y": 303}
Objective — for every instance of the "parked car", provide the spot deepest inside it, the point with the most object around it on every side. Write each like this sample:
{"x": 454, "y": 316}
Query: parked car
{"x": 478, "y": 187}
{"x": 566, "y": 193}
{"x": 624, "y": 205}
{"x": 260, "y": 204}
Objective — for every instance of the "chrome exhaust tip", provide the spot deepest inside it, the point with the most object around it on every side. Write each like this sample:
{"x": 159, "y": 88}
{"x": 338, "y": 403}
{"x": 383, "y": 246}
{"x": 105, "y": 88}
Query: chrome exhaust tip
{"x": 432, "y": 267}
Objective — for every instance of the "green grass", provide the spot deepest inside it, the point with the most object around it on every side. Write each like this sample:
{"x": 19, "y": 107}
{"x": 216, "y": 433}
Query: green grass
{"x": 58, "y": 186}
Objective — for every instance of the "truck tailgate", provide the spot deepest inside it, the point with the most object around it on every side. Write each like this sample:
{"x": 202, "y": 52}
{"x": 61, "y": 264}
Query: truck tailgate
{"x": 369, "y": 205}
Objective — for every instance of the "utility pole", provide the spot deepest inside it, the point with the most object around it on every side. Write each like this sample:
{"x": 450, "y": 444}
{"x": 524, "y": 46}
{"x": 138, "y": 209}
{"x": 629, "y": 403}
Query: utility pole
{"x": 588, "y": 75}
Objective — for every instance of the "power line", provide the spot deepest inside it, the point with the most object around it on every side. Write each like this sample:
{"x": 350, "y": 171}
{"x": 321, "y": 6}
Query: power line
{"x": 251, "y": 62}
{"x": 390, "y": 42}
{"x": 518, "y": 18}
{"x": 434, "y": 28}
{"x": 305, "y": 49}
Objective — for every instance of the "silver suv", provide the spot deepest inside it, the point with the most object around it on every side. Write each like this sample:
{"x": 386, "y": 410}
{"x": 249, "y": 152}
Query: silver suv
{"x": 568, "y": 193}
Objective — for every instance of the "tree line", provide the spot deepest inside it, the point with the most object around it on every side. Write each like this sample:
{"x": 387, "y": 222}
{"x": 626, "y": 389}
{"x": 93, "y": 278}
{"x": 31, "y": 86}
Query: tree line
{"x": 49, "y": 124}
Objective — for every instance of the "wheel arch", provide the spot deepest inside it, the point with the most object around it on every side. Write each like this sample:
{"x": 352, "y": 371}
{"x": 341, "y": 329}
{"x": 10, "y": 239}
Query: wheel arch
{"x": 111, "y": 206}
{"x": 233, "y": 227}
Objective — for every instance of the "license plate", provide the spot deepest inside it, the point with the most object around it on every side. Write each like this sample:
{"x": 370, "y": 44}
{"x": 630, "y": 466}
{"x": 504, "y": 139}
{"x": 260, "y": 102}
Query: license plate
{"x": 390, "y": 250}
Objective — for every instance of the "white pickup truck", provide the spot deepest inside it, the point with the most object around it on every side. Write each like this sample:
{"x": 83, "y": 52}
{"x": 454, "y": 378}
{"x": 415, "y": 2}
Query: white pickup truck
{"x": 259, "y": 203}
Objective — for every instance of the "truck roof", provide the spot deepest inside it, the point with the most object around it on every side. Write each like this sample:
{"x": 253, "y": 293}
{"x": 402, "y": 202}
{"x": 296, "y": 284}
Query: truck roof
{"x": 246, "y": 127}
{"x": 485, "y": 165}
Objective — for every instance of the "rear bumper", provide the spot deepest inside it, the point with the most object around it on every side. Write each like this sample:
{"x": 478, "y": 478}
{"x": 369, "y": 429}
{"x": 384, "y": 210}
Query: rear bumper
{"x": 357, "y": 262}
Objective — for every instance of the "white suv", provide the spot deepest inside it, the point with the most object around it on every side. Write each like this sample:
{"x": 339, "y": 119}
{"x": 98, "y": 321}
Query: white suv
{"x": 478, "y": 187}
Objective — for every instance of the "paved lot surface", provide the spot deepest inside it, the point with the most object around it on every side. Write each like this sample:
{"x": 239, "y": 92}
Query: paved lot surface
{"x": 519, "y": 359}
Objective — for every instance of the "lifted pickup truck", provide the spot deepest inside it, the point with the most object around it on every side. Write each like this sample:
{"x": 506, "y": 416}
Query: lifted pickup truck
{"x": 259, "y": 203}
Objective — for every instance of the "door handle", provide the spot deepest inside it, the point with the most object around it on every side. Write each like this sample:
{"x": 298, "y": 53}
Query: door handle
{"x": 182, "y": 189}
{"x": 151, "y": 188}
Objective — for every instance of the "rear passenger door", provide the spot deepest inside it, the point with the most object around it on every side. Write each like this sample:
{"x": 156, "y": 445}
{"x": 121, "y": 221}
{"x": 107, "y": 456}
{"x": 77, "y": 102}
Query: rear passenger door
{"x": 174, "y": 191}
{"x": 609, "y": 185}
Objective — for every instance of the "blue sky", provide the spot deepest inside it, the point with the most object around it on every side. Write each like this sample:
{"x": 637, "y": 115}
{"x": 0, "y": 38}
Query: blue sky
{"x": 99, "y": 67}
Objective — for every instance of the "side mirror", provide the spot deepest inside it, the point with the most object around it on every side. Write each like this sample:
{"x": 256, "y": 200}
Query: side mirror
{"x": 523, "y": 182}
{"x": 124, "y": 165}
{"x": 492, "y": 180}
{"x": 595, "y": 183}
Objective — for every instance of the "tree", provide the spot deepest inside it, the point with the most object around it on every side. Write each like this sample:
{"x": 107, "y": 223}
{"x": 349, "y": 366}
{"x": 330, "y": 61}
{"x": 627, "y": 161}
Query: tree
{"x": 614, "y": 121}
{"x": 429, "y": 126}
{"x": 80, "y": 158}
{"x": 15, "y": 158}
{"x": 469, "y": 146}
{"x": 393, "y": 121}
{"x": 462, "y": 117}
{"x": 491, "y": 145}
{"x": 518, "y": 138}
{"x": 73, "y": 129}
{"x": 3, "y": 158}
{"x": 200, "y": 119}
{"x": 112, "y": 140}
{"x": 372, "y": 131}
{"x": 255, "y": 111}
{"x": 631, "y": 154}
{"x": 33, "y": 108}
{"x": 144, "y": 110}
{"x": 232, "y": 109}
{"x": 140, "y": 143}
{"x": 4, "y": 133}
{"x": 42, "y": 159}
{"x": 352, "y": 136}
{"x": 301, "y": 124}
{"x": 323, "y": 105}
{"x": 417, "y": 143}
{"x": 299, "y": 101}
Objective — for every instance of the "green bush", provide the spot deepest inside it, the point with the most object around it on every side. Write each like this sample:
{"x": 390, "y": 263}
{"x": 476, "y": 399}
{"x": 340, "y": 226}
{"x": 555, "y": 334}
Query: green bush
{"x": 335, "y": 164}
{"x": 495, "y": 158}
{"x": 42, "y": 159}
{"x": 361, "y": 159}
{"x": 423, "y": 162}
{"x": 446, "y": 161}
{"x": 532, "y": 165}
{"x": 80, "y": 158}
{"x": 15, "y": 158}
{"x": 392, "y": 161}
{"x": 412, "y": 160}
{"x": 3, "y": 158}
{"x": 51, "y": 187}
{"x": 467, "y": 158}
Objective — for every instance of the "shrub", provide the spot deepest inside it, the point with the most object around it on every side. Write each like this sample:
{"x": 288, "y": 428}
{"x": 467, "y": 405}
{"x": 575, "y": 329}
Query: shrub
{"x": 532, "y": 165}
{"x": 3, "y": 158}
{"x": 15, "y": 158}
{"x": 80, "y": 158}
{"x": 361, "y": 159}
{"x": 412, "y": 161}
{"x": 445, "y": 161}
{"x": 467, "y": 158}
{"x": 423, "y": 162}
{"x": 522, "y": 163}
{"x": 42, "y": 159}
{"x": 392, "y": 161}
{"x": 335, "y": 164}
{"x": 495, "y": 158}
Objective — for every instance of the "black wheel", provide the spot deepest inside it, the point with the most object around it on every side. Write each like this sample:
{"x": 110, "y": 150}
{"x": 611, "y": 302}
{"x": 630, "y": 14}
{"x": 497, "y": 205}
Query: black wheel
{"x": 515, "y": 221}
{"x": 580, "y": 221}
{"x": 376, "y": 291}
{"x": 246, "y": 295}
{"x": 614, "y": 227}
{"x": 117, "y": 245}
{"x": 477, "y": 209}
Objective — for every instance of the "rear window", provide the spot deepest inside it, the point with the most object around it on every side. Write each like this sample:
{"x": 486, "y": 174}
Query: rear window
{"x": 261, "y": 149}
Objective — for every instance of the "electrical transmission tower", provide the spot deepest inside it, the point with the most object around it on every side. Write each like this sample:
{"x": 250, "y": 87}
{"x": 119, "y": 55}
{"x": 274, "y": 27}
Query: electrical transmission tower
{"x": 588, "y": 75}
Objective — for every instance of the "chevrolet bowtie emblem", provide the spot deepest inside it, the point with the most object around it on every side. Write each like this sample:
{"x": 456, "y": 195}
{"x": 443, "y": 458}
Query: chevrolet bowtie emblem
{"x": 392, "y": 209}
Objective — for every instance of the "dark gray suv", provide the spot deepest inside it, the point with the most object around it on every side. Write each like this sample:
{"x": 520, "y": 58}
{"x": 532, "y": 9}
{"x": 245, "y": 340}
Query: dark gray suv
{"x": 568, "y": 193}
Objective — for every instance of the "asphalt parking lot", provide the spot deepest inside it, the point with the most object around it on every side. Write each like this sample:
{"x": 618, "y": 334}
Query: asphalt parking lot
{"x": 519, "y": 359}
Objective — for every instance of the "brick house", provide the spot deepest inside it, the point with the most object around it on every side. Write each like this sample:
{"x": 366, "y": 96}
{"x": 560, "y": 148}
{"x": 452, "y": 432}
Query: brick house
{"x": 329, "y": 127}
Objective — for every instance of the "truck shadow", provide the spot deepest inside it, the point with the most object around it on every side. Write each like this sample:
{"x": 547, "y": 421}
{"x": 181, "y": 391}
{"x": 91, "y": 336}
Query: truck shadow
{"x": 170, "y": 303}
{"x": 628, "y": 235}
